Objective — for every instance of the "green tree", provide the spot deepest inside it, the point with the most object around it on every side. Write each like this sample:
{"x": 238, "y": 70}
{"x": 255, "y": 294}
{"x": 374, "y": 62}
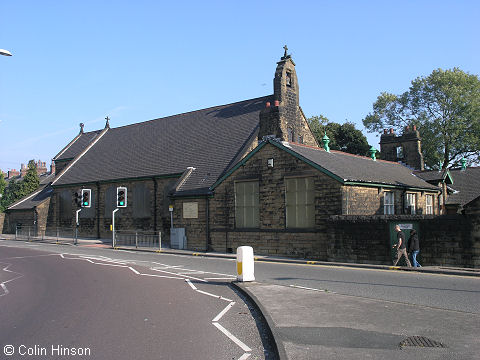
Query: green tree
{"x": 16, "y": 190}
{"x": 31, "y": 180}
{"x": 445, "y": 106}
{"x": 3, "y": 185}
{"x": 344, "y": 137}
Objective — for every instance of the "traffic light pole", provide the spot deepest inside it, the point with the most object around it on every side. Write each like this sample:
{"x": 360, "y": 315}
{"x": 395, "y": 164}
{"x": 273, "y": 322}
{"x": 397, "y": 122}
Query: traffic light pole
{"x": 76, "y": 227}
{"x": 113, "y": 227}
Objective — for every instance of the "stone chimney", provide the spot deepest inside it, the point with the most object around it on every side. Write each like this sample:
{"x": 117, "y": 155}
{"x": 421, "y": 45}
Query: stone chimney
{"x": 23, "y": 170}
{"x": 284, "y": 119}
{"x": 405, "y": 148}
{"x": 13, "y": 173}
{"x": 52, "y": 168}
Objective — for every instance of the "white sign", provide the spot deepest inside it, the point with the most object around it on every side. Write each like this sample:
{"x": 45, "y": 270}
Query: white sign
{"x": 406, "y": 226}
{"x": 190, "y": 210}
{"x": 170, "y": 208}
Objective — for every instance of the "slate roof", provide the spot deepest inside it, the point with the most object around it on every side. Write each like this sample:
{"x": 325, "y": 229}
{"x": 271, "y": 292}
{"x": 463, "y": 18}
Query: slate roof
{"x": 347, "y": 168}
{"x": 466, "y": 185}
{"x": 77, "y": 146}
{"x": 32, "y": 200}
{"x": 208, "y": 140}
{"x": 434, "y": 176}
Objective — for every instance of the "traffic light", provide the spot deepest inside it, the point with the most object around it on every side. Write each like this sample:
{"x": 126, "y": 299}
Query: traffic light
{"x": 86, "y": 198}
{"x": 121, "y": 196}
{"x": 77, "y": 196}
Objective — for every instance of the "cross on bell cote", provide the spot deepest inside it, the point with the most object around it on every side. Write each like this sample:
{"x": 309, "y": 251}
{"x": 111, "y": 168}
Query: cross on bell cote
{"x": 107, "y": 124}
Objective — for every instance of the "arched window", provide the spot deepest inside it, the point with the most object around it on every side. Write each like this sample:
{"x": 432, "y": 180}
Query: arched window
{"x": 290, "y": 134}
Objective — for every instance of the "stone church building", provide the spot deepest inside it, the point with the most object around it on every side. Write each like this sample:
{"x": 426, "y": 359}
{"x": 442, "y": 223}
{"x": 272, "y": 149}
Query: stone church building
{"x": 246, "y": 173}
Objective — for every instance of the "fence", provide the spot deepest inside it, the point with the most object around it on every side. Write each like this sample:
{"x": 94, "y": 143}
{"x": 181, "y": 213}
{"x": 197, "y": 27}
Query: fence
{"x": 138, "y": 239}
{"x": 57, "y": 235}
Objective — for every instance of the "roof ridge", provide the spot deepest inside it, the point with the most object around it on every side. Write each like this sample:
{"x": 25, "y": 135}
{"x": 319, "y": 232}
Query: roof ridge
{"x": 191, "y": 112}
{"x": 342, "y": 152}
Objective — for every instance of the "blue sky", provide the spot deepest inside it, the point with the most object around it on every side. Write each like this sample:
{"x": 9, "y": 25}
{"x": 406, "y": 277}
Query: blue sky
{"x": 79, "y": 61}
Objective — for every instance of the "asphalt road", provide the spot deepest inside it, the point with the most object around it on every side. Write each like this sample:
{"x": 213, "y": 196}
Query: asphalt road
{"x": 460, "y": 293}
{"x": 87, "y": 302}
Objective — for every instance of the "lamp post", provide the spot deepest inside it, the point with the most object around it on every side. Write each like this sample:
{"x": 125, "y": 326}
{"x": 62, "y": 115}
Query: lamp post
{"x": 5, "y": 52}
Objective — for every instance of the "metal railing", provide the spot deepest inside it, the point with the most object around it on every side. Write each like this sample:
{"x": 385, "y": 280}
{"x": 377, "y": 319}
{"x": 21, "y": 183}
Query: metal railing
{"x": 57, "y": 235}
{"x": 138, "y": 239}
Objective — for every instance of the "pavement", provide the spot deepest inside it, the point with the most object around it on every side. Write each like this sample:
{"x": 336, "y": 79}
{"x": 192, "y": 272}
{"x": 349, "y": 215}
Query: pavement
{"x": 314, "y": 324}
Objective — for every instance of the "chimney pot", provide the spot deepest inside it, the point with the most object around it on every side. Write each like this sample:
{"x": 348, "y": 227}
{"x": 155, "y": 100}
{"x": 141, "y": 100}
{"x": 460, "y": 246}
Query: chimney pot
{"x": 267, "y": 104}
{"x": 391, "y": 130}
{"x": 277, "y": 103}
{"x": 407, "y": 128}
{"x": 385, "y": 131}
{"x": 414, "y": 127}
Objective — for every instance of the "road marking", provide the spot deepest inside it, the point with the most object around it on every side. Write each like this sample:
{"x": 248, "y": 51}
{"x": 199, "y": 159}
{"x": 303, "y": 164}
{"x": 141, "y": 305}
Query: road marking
{"x": 232, "y": 337}
{"x": 223, "y": 312}
{"x": 172, "y": 273}
{"x": 224, "y": 278}
{"x": 135, "y": 271}
{"x": 191, "y": 285}
{"x": 163, "y": 276}
{"x": 4, "y": 289}
{"x": 244, "y": 356}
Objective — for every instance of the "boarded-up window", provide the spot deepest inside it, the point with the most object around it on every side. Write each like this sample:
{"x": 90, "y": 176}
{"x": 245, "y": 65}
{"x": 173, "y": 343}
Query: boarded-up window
{"x": 140, "y": 199}
{"x": 66, "y": 198}
{"x": 246, "y": 204}
{"x": 110, "y": 201}
{"x": 300, "y": 202}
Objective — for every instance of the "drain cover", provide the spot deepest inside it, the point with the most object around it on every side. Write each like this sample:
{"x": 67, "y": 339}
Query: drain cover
{"x": 421, "y": 341}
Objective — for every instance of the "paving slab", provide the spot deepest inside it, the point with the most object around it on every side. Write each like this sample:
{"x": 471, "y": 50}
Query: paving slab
{"x": 321, "y": 325}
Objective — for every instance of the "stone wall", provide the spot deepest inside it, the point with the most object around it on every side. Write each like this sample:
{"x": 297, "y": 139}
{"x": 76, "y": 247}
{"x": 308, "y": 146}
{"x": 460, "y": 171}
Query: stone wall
{"x": 152, "y": 215}
{"x": 450, "y": 240}
{"x": 362, "y": 200}
{"x": 273, "y": 237}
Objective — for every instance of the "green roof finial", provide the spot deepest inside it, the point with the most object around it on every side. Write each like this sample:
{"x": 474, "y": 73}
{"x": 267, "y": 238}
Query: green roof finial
{"x": 325, "y": 141}
{"x": 464, "y": 163}
{"x": 372, "y": 152}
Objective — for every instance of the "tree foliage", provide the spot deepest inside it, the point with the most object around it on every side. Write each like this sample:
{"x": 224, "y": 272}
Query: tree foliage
{"x": 18, "y": 189}
{"x": 445, "y": 106}
{"x": 343, "y": 137}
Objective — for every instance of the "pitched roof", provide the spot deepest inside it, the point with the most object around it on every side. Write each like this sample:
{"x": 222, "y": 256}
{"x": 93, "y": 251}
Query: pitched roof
{"x": 466, "y": 185}
{"x": 435, "y": 176}
{"x": 361, "y": 169}
{"x": 32, "y": 200}
{"x": 77, "y": 145}
{"x": 348, "y": 168}
{"x": 206, "y": 139}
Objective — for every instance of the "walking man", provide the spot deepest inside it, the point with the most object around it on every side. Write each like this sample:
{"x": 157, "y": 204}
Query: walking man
{"x": 414, "y": 247}
{"x": 401, "y": 247}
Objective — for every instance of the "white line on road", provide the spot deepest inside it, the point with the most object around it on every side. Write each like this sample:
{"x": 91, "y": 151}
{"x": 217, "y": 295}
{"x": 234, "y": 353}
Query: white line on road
{"x": 135, "y": 271}
{"x": 232, "y": 337}
{"x": 191, "y": 285}
{"x": 244, "y": 356}
{"x": 223, "y": 278}
{"x": 223, "y": 312}
{"x": 312, "y": 289}
{"x": 163, "y": 276}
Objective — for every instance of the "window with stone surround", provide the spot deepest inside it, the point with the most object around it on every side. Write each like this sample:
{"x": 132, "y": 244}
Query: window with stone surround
{"x": 388, "y": 203}
{"x": 141, "y": 200}
{"x": 410, "y": 200}
{"x": 429, "y": 204}
{"x": 246, "y": 204}
{"x": 290, "y": 134}
{"x": 300, "y": 202}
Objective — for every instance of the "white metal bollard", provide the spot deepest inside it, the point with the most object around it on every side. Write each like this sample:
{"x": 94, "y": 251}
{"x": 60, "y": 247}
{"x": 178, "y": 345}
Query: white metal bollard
{"x": 245, "y": 264}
